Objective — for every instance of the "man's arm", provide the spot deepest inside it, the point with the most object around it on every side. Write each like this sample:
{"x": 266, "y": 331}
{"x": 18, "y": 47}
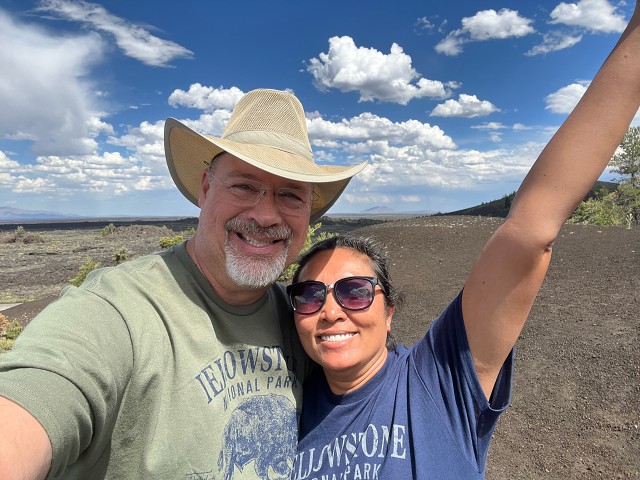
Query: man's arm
{"x": 505, "y": 280}
{"x": 25, "y": 450}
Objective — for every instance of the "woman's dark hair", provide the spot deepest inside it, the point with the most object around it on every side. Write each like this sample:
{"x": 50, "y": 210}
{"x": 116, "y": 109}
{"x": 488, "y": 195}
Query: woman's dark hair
{"x": 375, "y": 252}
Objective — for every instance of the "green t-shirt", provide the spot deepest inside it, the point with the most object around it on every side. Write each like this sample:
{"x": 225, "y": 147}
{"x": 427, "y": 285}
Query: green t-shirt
{"x": 143, "y": 372}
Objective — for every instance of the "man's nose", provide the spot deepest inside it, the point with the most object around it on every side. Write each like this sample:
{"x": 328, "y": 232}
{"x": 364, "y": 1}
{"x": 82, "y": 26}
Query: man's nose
{"x": 266, "y": 211}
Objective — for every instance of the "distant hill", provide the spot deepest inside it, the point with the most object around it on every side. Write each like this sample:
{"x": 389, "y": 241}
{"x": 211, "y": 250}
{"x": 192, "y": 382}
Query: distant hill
{"x": 495, "y": 208}
{"x": 10, "y": 214}
{"x": 500, "y": 207}
{"x": 377, "y": 211}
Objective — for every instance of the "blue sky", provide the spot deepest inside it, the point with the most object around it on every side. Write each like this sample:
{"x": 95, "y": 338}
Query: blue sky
{"x": 449, "y": 102}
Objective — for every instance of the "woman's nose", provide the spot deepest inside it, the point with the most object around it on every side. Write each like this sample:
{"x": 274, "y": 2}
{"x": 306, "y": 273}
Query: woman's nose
{"x": 332, "y": 310}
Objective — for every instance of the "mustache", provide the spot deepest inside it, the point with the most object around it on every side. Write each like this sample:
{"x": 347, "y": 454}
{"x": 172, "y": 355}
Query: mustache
{"x": 251, "y": 227}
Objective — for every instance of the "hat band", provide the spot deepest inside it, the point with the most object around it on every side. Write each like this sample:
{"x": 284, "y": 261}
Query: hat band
{"x": 272, "y": 140}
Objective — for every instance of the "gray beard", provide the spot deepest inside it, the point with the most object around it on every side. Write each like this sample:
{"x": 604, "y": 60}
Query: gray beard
{"x": 255, "y": 271}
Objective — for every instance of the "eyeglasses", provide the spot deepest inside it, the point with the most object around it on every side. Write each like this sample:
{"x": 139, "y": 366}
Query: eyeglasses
{"x": 352, "y": 293}
{"x": 247, "y": 193}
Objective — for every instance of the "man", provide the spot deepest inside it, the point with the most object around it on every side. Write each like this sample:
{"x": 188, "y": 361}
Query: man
{"x": 183, "y": 364}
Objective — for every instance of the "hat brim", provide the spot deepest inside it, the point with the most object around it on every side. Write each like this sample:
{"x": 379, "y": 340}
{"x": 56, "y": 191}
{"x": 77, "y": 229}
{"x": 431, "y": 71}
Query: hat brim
{"x": 188, "y": 153}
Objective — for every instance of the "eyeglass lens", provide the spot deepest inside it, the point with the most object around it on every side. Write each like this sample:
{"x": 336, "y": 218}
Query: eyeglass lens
{"x": 248, "y": 193}
{"x": 352, "y": 293}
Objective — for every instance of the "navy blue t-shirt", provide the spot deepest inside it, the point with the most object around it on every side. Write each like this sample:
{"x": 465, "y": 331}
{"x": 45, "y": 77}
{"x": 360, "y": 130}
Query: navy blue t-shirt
{"x": 424, "y": 414}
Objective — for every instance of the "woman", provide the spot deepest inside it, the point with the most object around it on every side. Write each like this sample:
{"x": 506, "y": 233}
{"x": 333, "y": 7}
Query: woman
{"x": 378, "y": 410}
{"x": 429, "y": 411}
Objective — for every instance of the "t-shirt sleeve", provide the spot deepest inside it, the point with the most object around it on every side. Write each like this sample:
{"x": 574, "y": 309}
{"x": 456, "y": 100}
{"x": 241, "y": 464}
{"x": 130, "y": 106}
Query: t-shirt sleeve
{"x": 444, "y": 364}
{"x": 68, "y": 368}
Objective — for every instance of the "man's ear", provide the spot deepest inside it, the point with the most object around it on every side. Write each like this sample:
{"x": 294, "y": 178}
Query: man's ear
{"x": 204, "y": 188}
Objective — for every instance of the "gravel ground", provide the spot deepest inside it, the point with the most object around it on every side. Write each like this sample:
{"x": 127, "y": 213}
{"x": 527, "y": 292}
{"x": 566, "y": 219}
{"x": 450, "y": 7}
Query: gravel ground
{"x": 575, "y": 411}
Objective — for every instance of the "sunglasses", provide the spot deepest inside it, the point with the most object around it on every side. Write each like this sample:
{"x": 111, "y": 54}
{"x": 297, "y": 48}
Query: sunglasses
{"x": 352, "y": 293}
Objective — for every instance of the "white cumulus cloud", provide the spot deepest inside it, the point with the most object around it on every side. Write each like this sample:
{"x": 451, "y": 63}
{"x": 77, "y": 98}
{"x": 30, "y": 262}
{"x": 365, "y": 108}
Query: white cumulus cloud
{"x": 594, "y": 15}
{"x": 466, "y": 106}
{"x": 48, "y": 98}
{"x": 405, "y": 172}
{"x": 6, "y": 163}
{"x": 207, "y": 99}
{"x": 375, "y": 75}
{"x": 376, "y": 133}
{"x": 566, "y": 98}
{"x": 485, "y": 25}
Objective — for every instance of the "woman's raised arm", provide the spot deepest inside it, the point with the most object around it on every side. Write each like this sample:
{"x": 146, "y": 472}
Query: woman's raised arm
{"x": 505, "y": 279}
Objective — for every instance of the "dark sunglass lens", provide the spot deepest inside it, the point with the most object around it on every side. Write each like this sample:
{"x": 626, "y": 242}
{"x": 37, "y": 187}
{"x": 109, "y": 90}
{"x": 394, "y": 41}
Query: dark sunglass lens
{"x": 308, "y": 297}
{"x": 354, "y": 293}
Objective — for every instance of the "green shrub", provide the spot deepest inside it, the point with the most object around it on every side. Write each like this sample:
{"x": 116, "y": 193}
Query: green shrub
{"x": 312, "y": 238}
{"x": 5, "y": 344}
{"x": 603, "y": 210}
{"x": 13, "y": 330}
{"x": 108, "y": 230}
{"x": 9, "y": 331}
{"x": 20, "y": 235}
{"x": 120, "y": 256}
{"x": 84, "y": 270}
{"x": 166, "y": 242}
{"x": 188, "y": 233}
{"x": 31, "y": 237}
{"x": 621, "y": 206}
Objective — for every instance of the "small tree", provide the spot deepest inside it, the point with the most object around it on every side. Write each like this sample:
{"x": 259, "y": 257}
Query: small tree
{"x": 622, "y": 206}
{"x": 629, "y": 200}
{"x": 626, "y": 161}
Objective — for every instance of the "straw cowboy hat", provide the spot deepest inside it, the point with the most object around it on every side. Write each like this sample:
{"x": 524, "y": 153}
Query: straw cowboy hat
{"x": 268, "y": 130}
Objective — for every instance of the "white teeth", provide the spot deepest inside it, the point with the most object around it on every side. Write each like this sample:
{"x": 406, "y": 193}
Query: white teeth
{"x": 336, "y": 338}
{"x": 257, "y": 243}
